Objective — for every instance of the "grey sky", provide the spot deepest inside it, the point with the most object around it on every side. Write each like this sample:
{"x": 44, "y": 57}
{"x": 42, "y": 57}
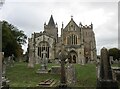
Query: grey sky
{"x": 30, "y": 15}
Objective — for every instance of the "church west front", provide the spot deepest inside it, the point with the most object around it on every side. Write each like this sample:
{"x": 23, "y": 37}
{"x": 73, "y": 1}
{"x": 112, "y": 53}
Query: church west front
{"x": 79, "y": 42}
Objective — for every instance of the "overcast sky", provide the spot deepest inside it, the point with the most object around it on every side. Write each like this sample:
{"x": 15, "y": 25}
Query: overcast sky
{"x": 30, "y": 15}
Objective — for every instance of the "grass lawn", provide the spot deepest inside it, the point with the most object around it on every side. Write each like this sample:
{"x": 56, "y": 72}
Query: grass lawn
{"x": 22, "y": 76}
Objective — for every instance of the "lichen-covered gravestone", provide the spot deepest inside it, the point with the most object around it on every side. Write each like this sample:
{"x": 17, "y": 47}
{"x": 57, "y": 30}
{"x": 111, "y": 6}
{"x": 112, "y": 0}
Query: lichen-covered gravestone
{"x": 105, "y": 78}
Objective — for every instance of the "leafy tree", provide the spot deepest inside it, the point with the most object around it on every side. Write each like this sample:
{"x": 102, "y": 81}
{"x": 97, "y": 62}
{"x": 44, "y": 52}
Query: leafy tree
{"x": 115, "y": 52}
{"x": 12, "y": 40}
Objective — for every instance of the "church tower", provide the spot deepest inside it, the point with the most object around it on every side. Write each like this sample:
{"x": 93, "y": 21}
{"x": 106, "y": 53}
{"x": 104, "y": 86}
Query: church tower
{"x": 51, "y": 28}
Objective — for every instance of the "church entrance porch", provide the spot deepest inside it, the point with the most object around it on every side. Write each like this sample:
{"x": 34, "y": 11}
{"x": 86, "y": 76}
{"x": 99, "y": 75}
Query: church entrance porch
{"x": 72, "y": 57}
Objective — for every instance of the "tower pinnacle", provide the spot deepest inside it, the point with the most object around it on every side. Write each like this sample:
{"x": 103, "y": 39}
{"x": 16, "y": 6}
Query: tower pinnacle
{"x": 51, "y": 22}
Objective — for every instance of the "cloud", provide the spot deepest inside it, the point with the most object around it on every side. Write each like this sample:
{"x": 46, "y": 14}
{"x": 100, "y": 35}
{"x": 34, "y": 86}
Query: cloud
{"x": 31, "y": 15}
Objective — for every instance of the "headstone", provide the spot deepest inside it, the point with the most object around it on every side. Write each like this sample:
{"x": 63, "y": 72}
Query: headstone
{"x": 8, "y": 61}
{"x": 4, "y": 83}
{"x": 0, "y": 70}
{"x": 116, "y": 61}
{"x": 55, "y": 69}
{"x": 31, "y": 59}
{"x": 3, "y": 68}
{"x": 111, "y": 60}
{"x": 12, "y": 60}
{"x": 43, "y": 67}
{"x": 105, "y": 79}
{"x": 71, "y": 74}
{"x": 57, "y": 61}
{"x": 116, "y": 73}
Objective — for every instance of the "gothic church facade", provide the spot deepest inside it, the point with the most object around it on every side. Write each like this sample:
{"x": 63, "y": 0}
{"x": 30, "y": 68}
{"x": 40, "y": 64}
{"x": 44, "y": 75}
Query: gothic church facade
{"x": 78, "y": 40}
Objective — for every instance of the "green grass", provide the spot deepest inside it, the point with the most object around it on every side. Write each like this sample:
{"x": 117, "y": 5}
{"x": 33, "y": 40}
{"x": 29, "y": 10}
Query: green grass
{"x": 86, "y": 75}
{"x": 22, "y": 76}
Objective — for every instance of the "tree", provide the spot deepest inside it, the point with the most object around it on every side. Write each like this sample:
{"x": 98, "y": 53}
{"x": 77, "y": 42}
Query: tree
{"x": 12, "y": 40}
{"x": 115, "y": 52}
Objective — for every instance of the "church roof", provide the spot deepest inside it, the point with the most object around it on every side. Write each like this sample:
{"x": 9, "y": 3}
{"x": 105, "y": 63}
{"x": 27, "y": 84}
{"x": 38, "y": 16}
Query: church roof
{"x": 71, "y": 22}
{"x": 51, "y": 22}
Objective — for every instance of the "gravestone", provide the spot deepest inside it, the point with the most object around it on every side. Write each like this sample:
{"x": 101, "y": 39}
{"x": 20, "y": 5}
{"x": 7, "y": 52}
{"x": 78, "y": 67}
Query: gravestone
{"x": 8, "y": 62}
{"x": 57, "y": 61}
{"x": 0, "y": 69}
{"x": 116, "y": 61}
{"x": 71, "y": 74}
{"x": 111, "y": 59}
{"x": 31, "y": 58}
{"x": 105, "y": 78}
{"x": 11, "y": 60}
{"x": 43, "y": 67}
{"x": 3, "y": 68}
{"x": 116, "y": 73}
{"x": 55, "y": 69}
{"x": 4, "y": 82}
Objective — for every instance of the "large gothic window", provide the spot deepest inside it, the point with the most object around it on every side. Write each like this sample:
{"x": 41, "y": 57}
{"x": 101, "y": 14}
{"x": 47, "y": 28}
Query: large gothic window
{"x": 72, "y": 40}
{"x": 43, "y": 46}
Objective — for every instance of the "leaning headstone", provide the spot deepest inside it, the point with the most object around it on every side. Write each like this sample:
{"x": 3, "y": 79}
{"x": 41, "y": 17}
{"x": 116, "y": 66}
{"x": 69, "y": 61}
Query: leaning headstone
{"x": 105, "y": 79}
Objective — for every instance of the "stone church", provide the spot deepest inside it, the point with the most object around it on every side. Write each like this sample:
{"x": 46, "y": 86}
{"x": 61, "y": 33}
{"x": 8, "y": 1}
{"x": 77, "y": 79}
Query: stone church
{"x": 79, "y": 42}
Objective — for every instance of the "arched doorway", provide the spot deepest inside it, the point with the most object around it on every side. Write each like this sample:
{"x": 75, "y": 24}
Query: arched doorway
{"x": 72, "y": 57}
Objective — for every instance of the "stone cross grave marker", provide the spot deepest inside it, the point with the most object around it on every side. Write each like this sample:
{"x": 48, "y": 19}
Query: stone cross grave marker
{"x": 63, "y": 56}
{"x": 43, "y": 67}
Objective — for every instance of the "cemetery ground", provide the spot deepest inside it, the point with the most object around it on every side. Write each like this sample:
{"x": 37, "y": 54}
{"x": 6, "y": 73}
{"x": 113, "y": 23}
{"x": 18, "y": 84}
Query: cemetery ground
{"x": 22, "y": 76}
